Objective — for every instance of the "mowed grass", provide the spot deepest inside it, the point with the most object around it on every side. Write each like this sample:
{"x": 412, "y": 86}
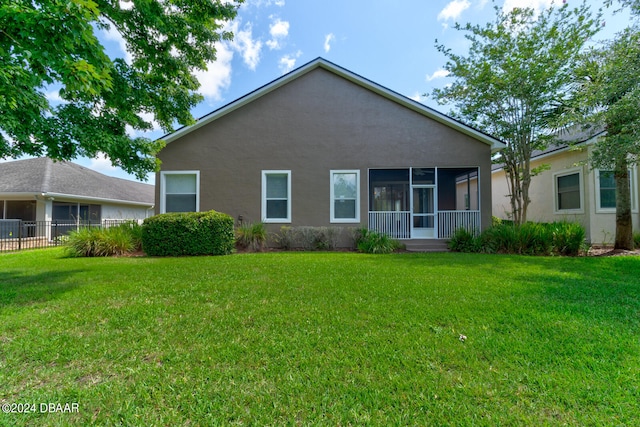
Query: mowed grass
{"x": 321, "y": 339}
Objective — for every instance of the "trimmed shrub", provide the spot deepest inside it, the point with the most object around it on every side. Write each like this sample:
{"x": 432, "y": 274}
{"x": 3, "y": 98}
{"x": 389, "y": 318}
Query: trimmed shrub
{"x": 636, "y": 240}
{"x": 372, "y": 242}
{"x": 251, "y": 236}
{"x": 189, "y": 233}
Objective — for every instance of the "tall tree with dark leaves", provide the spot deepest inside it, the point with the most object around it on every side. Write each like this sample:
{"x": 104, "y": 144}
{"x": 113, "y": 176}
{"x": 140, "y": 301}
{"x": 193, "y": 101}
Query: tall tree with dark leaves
{"x": 52, "y": 44}
{"x": 516, "y": 69}
{"x": 607, "y": 94}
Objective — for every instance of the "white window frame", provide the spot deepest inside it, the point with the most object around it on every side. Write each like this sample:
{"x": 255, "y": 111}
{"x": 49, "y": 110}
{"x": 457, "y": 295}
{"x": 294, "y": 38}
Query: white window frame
{"x": 286, "y": 220}
{"x": 556, "y": 208}
{"x": 163, "y": 187}
{"x": 333, "y": 219}
{"x": 633, "y": 189}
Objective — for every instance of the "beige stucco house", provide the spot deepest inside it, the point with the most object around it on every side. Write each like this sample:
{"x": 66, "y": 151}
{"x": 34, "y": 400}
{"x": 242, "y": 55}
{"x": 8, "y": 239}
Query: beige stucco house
{"x": 323, "y": 146}
{"x": 570, "y": 190}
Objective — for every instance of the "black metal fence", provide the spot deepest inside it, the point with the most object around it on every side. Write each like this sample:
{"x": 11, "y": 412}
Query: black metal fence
{"x": 16, "y": 235}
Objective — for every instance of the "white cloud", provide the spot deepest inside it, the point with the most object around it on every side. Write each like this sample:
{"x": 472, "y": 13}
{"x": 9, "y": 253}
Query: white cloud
{"x": 245, "y": 45}
{"x": 54, "y": 97}
{"x": 279, "y": 31}
{"x": 454, "y": 9}
{"x": 112, "y": 34}
{"x": 126, "y": 4}
{"x": 102, "y": 164}
{"x": 438, "y": 74}
{"x": 482, "y": 4}
{"x": 264, "y": 3}
{"x": 217, "y": 77}
{"x": 537, "y": 5}
{"x": 329, "y": 38}
{"x": 419, "y": 97}
{"x": 288, "y": 62}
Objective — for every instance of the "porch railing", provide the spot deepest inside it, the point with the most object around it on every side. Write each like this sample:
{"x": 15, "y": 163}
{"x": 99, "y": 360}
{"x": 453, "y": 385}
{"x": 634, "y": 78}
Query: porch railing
{"x": 16, "y": 234}
{"x": 397, "y": 224}
{"x": 450, "y": 221}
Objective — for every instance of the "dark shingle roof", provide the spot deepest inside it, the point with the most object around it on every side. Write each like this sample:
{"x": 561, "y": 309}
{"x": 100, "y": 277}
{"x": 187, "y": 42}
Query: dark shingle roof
{"x": 43, "y": 175}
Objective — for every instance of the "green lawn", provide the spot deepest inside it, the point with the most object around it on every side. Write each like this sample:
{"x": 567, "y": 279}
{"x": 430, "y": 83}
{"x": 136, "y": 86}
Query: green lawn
{"x": 321, "y": 339}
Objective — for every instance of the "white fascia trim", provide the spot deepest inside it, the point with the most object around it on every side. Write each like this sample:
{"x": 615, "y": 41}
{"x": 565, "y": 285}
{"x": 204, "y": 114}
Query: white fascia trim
{"x": 74, "y": 197}
{"x": 18, "y": 196}
{"x": 496, "y": 145}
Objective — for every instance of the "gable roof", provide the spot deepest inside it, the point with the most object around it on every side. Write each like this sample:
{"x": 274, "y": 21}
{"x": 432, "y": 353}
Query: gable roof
{"x": 409, "y": 103}
{"x": 43, "y": 176}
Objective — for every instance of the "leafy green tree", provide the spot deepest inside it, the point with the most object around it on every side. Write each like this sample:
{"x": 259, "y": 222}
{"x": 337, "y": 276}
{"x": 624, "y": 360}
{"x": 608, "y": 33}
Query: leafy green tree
{"x": 52, "y": 44}
{"x": 516, "y": 69}
{"x": 608, "y": 94}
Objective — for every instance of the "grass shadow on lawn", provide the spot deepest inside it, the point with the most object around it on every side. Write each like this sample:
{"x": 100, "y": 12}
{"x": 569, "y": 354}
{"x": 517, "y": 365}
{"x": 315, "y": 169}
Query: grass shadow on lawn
{"x": 20, "y": 289}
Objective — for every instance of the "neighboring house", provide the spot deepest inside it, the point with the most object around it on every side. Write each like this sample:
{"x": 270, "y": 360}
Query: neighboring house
{"x": 570, "y": 190}
{"x": 41, "y": 189}
{"x": 322, "y": 146}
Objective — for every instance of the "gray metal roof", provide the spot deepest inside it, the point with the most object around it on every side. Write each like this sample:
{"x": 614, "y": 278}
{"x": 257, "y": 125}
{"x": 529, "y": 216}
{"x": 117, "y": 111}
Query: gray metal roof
{"x": 43, "y": 175}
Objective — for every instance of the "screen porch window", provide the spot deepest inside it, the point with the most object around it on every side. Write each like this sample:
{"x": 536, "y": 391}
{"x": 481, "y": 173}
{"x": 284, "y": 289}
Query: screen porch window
{"x": 180, "y": 191}
{"x": 276, "y": 196}
{"x": 345, "y": 196}
{"x": 568, "y": 192}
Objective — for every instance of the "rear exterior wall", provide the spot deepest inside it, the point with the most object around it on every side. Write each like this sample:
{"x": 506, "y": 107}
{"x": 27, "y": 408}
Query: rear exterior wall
{"x": 314, "y": 124}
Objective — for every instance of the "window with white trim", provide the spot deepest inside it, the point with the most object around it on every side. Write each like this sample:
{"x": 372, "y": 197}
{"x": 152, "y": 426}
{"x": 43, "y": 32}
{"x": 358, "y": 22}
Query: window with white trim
{"x": 276, "y": 196}
{"x": 568, "y": 191}
{"x": 179, "y": 191}
{"x": 345, "y": 196}
{"x": 606, "y": 191}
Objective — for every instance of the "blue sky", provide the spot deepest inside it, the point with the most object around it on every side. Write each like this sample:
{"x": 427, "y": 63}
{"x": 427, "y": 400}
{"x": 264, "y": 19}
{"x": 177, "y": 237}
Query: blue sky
{"x": 391, "y": 42}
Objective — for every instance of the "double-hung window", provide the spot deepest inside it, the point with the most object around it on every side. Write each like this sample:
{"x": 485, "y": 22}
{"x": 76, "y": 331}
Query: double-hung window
{"x": 345, "y": 196}
{"x": 179, "y": 191}
{"x": 276, "y": 196}
{"x": 569, "y": 192}
{"x": 606, "y": 191}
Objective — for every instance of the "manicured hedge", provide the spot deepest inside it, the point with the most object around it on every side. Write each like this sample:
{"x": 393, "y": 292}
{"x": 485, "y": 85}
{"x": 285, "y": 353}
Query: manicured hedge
{"x": 191, "y": 233}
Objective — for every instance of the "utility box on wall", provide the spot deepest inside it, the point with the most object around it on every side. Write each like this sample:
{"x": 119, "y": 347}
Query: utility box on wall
{"x": 9, "y": 228}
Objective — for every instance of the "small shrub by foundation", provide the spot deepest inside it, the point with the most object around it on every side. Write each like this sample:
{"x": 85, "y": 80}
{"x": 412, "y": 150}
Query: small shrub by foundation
{"x": 251, "y": 236}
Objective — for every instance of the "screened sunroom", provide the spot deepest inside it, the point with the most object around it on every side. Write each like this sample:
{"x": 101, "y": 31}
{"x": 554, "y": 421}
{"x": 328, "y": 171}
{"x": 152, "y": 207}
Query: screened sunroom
{"x": 423, "y": 203}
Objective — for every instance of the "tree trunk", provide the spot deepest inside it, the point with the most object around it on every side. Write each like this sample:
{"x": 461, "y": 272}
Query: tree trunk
{"x": 624, "y": 226}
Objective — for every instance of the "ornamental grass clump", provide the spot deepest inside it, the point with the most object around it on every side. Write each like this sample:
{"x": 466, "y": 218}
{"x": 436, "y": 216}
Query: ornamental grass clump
{"x": 251, "y": 236}
{"x": 97, "y": 241}
{"x": 558, "y": 238}
{"x": 373, "y": 242}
